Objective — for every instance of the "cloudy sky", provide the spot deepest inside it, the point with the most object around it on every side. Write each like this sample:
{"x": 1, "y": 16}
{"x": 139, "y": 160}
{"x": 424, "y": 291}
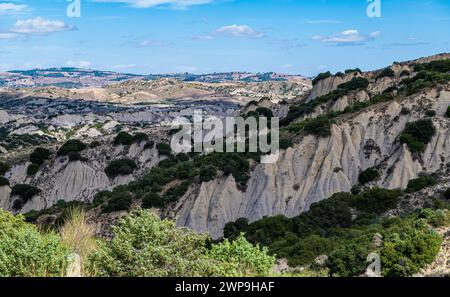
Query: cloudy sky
{"x": 200, "y": 36}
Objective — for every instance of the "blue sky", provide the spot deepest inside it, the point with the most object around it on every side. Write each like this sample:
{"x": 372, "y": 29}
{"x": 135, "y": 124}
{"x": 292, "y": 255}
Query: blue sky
{"x": 201, "y": 36}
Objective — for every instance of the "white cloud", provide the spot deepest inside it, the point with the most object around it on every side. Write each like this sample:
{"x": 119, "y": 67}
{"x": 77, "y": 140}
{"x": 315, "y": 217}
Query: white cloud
{"x": 78, "y": 64}
{"x": 348, "y": 37}
{"x": 39, "y": 26}
{"x": 152, "y": 43}
{"x": 238, "y": 31}
{"x": 178, "y": 4}
{"x": 11, "y": 8}
{"x": 7, "y": 35}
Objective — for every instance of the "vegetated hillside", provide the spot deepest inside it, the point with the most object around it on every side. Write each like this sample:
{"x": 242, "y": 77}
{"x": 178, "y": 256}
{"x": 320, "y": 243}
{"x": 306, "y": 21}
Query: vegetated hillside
{"x": 382, "y": 136}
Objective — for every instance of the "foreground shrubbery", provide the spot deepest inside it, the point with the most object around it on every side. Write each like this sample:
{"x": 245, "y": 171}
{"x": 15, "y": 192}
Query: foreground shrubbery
{"x": 143, "y": 245}
{"x": 26, "y": 252}
{"x": 343, "y": 228}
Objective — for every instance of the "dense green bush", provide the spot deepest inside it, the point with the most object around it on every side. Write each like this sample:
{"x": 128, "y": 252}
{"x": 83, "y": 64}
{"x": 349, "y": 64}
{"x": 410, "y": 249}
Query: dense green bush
{"x": 405, "y": 73}
{"x": 3, "y": 168}
{"x": 420, "y": 183}
{"x": 71, "y": 147}
{"x": 430, "y": 113}
{"x": 368, "y": 176}
{"x": 424, "y": 79}
{"x": 25, "y": 252}
{"x": 149, "y": 145}
{"x": 4, "y": 181}
{"x": 356, "y": 70}
{"x": 418, "y": 134}
{"x": 26, "y": 192}
{"x": 207, "y": 173}
{"x": 152, "y": 200}
{"x": 442, "y": 66}
{"x": 40, "y": 155}
{"x": 144, "y": 246}
{"x": 448, "y": 112}
{"x": 357, "y": 83}
{"x": 32, "y": 169}
{"x": 320, "y": 126}
{"x": 446, "y": 194}
{"x": 348, "y": 260}
{"x": 321, "y": 76}
{"x": 124, "y": 138}
{"x": 118, "y": 201}
{"x": 387, "y": 72}
{"x": 377, "y": 200}
{"x": 120, "y": 167}
{"x": 164, "y": 149}
{"x": 408, "y": 249}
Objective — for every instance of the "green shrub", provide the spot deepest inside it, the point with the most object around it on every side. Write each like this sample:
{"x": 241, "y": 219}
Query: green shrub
{"x": 241, "y": 258}
{"x": 448, "y": 112}
{"x": 140, "y": 137}
{"x": 430, "y": 113}
{"x": 26, "y": 192}
{"x": 118, "y": 201}
{"x": 356, "y": 70}
{"x": 144, "y": 246}
{"x": 285, "y": 143}
{"x": 120, "y": 167}
{"x": 442, "y": 66}
{"x": 207, "y": 173}
{"x": 409, "y": 249}
{"x": 75, "y": 156}
{"x": 149, "y": 145}
{"x": 420, "y": 183}
{"x": 405, "y": 73}
{"x": 164, "y": 149}
{"x": 387, "y": 72}
{"x": 320, "y": 126}
{"x": 32, "y": 169}
{"x": 377, "y": 200}
{"x": 3, "y": 168}
{"x": 418, "y": 134}
{"x": 124, "y": 138}
{"x": 321, "y": 76}
{"x": 95, "y": 144}
{"x": 25, "y": 252}
{"x": 71, "y": 147}
{"x": 348, "y": 260}
{"x": 4, "y": 181}
{"x": 368, "y": 176}
{"x": 356, "y": 189}
{"x": 446, "y": 194}
{"x": 357, "y": 83}
{"x": 152, "y": 200}
{"x": 40, "y": 155}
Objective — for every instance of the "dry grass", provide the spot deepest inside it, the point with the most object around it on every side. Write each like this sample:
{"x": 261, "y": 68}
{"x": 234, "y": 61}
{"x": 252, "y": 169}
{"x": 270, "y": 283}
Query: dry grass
{"x": 78, "y": 235}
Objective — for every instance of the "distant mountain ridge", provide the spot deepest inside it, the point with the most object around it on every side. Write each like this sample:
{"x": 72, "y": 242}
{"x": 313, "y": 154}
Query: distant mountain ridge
{"x": 70, "y": 77}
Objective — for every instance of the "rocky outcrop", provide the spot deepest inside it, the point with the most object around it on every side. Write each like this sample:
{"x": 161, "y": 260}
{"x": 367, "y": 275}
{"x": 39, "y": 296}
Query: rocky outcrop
{"x": 316, "y": 168}
{"x": 330, "y": 84}
{"x": 60, "y": 179}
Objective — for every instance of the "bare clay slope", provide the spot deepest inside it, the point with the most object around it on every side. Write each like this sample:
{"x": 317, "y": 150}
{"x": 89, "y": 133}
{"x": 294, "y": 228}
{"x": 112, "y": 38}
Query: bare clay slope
{"x": 317, "y": 167}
